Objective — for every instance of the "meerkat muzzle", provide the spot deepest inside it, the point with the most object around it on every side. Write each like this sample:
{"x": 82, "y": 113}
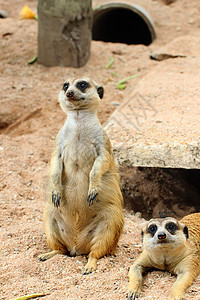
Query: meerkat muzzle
{"x": 71, "y": 96}
{"x": 162, "y": 236}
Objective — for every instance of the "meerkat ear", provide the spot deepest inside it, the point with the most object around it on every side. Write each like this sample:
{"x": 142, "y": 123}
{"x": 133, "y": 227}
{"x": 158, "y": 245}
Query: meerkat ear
{"x": 185, "y": 230}
{"x": 100, "y": 91}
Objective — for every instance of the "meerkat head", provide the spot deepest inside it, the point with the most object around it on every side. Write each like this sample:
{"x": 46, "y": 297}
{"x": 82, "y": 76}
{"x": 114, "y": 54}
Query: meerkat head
{"x": 163, "y": 233}
{"x": 79, "y": 94}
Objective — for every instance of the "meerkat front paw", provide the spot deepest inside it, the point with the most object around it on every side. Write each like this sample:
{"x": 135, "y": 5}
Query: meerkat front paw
{"x": 91, "y": 266}
{"x": 88, "y": 270}
{"x": 92, "y": 195}
{"x": 132, "y": 294}
{"x": 56, "y": 197}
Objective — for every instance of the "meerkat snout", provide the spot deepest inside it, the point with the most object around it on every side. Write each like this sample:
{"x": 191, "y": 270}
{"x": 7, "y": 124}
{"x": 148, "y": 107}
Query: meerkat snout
{"x": 70, "y": 94}
{"x": 162, "y": 236}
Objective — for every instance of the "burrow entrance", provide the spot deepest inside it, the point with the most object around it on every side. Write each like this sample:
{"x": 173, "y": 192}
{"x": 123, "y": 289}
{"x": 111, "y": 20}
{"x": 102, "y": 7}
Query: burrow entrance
{"x": 159, "y": 192}
{"x": 122, "y": 23}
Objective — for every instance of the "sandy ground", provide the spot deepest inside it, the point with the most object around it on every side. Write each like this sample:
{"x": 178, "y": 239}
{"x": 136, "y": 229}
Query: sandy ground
{"x": 30, "y": 118}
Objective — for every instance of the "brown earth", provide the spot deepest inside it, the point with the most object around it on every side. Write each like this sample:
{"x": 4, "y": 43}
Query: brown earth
{"x": 30, "y": 118}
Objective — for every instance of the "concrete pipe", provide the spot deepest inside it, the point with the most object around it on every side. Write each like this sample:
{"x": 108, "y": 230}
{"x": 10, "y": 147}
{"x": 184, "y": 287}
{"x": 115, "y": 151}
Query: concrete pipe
{"x": 122, "y": 23}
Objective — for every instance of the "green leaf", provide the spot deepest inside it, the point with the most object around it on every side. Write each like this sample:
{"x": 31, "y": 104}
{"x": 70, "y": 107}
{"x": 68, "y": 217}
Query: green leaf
{"x": 30, "y": 62}
{"x": 110, "y": 62}
{"x": 121, "y": 84}
{"x": 115, "y": 74}
{"x": 29, "y": 297}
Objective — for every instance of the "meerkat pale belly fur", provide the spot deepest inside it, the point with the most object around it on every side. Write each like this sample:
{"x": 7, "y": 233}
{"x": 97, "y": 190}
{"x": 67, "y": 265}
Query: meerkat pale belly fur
{"x": 83, "y": 214}
{"x": 169, "y": 245}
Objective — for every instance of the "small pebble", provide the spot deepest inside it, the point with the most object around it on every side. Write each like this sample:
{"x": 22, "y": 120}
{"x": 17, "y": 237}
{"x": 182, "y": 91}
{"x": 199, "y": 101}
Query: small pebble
{"x": 3, "y": 14}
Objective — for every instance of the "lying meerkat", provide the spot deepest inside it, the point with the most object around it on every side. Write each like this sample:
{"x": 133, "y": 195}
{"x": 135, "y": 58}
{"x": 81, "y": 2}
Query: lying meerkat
{"x": 83, "y": 214}
{"x": 169, "y": 245}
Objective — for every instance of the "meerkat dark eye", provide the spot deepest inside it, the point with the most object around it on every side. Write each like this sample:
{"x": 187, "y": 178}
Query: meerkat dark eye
{"x": 171, "y": 227}
{"x": 83, "y": 85}
{"x": 65, "y": 86}
{"x": 152, "y": 229}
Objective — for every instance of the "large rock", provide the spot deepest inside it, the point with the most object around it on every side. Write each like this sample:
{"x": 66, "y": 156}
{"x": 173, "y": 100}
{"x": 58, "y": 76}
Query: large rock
{"x": 159, "y": 124}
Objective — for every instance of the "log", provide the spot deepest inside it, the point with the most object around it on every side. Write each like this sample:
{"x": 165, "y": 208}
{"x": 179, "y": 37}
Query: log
{"x": 64, "y": 32}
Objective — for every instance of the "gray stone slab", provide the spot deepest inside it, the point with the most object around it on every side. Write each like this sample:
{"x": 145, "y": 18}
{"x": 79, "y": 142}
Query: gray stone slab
{"x": 159, "y": 124}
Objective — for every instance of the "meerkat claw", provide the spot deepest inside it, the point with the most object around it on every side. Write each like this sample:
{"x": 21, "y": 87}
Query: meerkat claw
{"x": 53, "y": 196}
{"x": 41, "y": 259}
{"x": 91, "y": 198}
{"x": 132, "y": 296}
{"x": 56, "y": 199}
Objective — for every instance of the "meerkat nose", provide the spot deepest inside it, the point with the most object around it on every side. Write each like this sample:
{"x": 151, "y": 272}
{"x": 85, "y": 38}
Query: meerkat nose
{"x": 70, "y": 94}
{"x": 162, "y": 236}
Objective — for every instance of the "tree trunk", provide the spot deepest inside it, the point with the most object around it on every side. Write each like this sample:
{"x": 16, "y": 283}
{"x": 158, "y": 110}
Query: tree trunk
{"x": 64, "y": 32}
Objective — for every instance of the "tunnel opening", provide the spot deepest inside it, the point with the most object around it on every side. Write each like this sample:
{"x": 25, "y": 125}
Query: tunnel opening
{"x": 122, "y": 23}
{"x": 161, "y": 192}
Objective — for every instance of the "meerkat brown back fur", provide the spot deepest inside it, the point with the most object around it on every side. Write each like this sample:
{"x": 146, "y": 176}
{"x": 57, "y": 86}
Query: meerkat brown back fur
{"x": 83, "y": 214}
{"x": 169, "y": 245}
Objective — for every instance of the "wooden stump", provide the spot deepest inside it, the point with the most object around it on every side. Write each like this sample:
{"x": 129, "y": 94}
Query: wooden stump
{"x": 64, "y": 32}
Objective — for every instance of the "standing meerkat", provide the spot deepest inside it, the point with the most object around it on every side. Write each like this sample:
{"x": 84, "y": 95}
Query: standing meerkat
{"x": 83, "y": 214}
{"x": 169, "y": 245}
